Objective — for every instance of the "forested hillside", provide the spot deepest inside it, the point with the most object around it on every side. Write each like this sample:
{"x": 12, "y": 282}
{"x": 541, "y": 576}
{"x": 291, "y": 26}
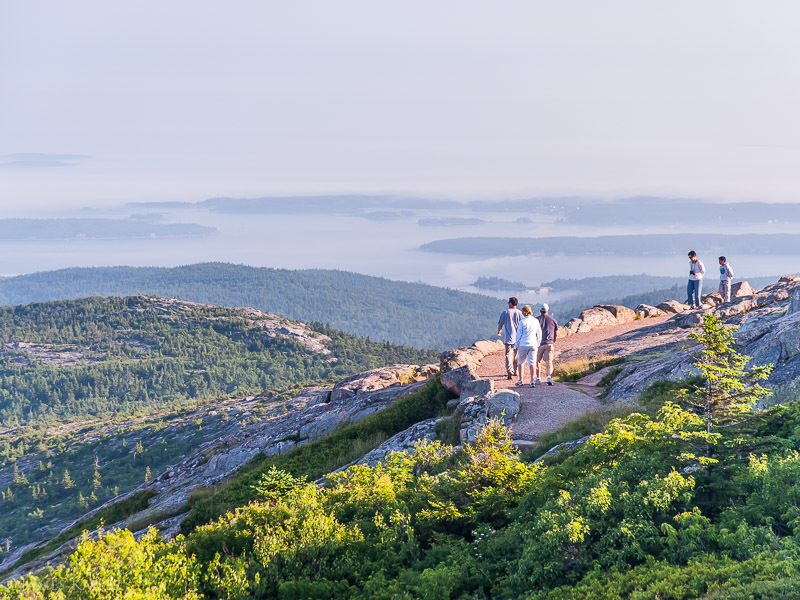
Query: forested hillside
{"x": 104, "y": 356}
{"x": 100, "y": 394}
{"x": 416, "y": 314}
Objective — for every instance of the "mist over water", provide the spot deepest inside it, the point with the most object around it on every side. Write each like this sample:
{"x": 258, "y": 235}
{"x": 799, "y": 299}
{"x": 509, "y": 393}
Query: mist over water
{"x": 383, "y": 248}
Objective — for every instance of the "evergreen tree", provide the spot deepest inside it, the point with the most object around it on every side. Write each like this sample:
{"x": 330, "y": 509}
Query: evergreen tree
{"x": 19, "y": 478}
{"x": 66, "y": 481}
{"x": 729, "y": 390}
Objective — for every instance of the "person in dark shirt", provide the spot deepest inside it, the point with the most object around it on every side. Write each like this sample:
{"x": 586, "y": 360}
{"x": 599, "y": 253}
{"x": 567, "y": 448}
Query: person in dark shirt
{"x": 547, "y": 349}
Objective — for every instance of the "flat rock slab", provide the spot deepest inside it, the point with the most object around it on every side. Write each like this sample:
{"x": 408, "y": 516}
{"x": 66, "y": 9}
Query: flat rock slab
{"x": 546, "y": 408}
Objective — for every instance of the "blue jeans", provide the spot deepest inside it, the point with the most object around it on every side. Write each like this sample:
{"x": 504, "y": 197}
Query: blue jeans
{"x": 693, "y": 292}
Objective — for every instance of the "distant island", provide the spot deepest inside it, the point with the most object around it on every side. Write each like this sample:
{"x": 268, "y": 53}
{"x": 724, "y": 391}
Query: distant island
{"x": 655, "y": 244}
{"x": 449, "y": 221}
{"x": 665, "y": 212}
{"x": 89, "y": 228}
{"x": 498, "y": 283}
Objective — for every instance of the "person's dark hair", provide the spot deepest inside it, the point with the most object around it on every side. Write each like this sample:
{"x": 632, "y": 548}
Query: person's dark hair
{"x": 692, "y": 253}
{"x": 723, "y": 259}
{"x": 513, "y": 301}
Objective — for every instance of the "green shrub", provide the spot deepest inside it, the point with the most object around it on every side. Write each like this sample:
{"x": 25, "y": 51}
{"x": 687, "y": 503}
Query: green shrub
{"x": 115, "y": 566}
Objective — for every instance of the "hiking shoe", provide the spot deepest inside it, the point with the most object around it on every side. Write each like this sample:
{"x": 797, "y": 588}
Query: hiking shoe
{"x": 549, "y": 381}
{"x": 538, "y": 381}
{"x": 533, "y": 384}
{"x": 519, "y": 383}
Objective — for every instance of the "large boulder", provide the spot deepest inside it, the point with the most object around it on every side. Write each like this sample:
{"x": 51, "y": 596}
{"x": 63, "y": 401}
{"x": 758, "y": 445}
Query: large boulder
{"x": 377, "y": 379}
{"x": 622, "y": 314}
{"x": 473, "y": 418}
{"x": 488, "y": 346}
{"x": 671, "y": 306}
{"x": 573, "y": 325}
{"x": 645, "y": 311}
{"x": 740, "y": 289}
{"x": 713, "y": 299}
{"x": 479, "y": 387}
{"x": 468, "y": 355}
{"x": 401, "y": 442}
{"x": 454, "y": 380}
{"x": 598, "y": 317}
{"x": 474, "y": 412}
{"x": 689, "y": 318}
{"x": 504, "y": 406}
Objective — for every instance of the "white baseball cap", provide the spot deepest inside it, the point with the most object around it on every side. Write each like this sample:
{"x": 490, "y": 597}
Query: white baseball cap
{"x": 545, "y": 308}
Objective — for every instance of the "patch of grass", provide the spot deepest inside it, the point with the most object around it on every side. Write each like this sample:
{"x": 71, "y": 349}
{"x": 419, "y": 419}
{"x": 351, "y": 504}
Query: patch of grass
{"x": 315, "y": 459}
{"x": 198, "y": 494}
{"x": 353, "y": 452}
{"x": 607, "y": 379}
{"x": 661, "y": 392}
{"x": 145, "y": 522}
{"x": 448, "y": 431}
{"x": 575, "y": 369}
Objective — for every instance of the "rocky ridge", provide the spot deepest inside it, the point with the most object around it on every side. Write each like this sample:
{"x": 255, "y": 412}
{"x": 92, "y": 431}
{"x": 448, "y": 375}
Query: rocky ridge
{"x": 768, "y": 323}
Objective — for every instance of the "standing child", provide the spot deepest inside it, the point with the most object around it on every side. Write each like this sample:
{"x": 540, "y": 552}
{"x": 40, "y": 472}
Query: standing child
{"x": 725, "y": 278}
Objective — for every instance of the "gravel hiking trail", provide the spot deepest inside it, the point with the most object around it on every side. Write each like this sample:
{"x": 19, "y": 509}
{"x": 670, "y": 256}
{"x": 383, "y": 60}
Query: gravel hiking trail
{"x": 547, "y": 408}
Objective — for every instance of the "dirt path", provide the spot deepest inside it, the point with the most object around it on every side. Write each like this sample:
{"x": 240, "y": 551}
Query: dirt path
{"x": 547, "y": 408}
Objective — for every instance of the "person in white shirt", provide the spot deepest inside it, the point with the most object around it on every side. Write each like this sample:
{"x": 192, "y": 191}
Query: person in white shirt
{"x": 694, "y": 290}
{"x": 725, "y": 278}
{"x": 529, "y": 336}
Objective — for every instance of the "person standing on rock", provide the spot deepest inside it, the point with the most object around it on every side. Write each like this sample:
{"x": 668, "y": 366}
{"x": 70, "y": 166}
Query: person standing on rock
{"x": 547, "y": 349}
{"x": 725, "y": 278}
{"x": 529, "y": 336}
{"x": 694, "y": 290}
{"x": 507, "y": 329}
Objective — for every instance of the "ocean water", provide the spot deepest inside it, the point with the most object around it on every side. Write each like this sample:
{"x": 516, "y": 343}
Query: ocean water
{"x": 387, "y": 249}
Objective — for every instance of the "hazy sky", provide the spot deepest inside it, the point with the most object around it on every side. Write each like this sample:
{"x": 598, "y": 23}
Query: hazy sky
{"x": 103, "y": 102}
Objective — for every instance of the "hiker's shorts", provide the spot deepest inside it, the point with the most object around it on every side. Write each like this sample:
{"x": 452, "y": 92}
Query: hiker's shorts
{"x": 526, "y": 353}
{"x": 546, "y": 352}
